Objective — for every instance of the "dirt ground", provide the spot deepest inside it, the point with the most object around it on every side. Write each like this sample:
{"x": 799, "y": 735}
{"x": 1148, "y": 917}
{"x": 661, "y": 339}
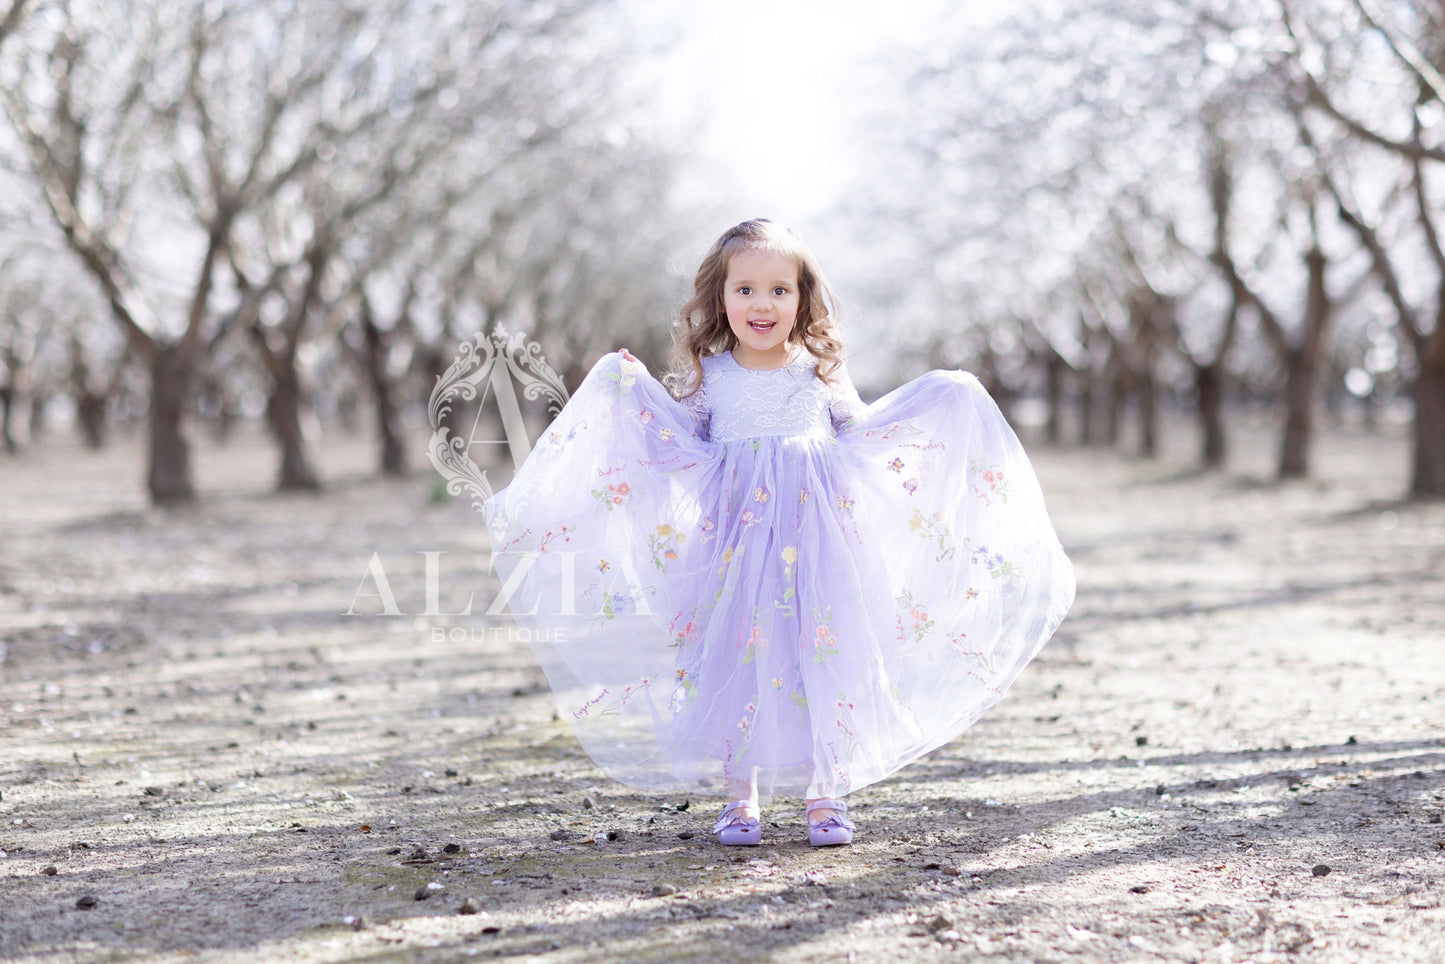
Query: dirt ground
{"x": 1233, "y": 751}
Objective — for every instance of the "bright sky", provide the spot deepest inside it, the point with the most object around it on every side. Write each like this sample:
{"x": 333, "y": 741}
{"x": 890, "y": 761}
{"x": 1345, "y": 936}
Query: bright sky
{"x": 779, "y": 82}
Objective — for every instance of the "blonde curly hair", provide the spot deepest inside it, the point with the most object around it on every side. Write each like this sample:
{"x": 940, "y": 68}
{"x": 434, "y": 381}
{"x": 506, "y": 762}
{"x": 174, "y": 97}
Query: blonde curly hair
{"x": 702, "y": 324}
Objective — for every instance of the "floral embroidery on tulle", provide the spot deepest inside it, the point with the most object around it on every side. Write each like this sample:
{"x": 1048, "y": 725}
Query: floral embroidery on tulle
{"x": 904, "y": 429}
{"x": 844, "y": 723}
{"x": 784, "y": 606}
{"x": 612, "y": 495}
{"x": 934, "y": 529}
{"x": 987, "y": 481}
{"x": 666, "y": 542}
{"x": 563, "y": 532}
{"x": 751, "y": 641}
{"x": 998, "y": 567}
{"x": 820, "y": 639}
{"x": 913, "y": 620}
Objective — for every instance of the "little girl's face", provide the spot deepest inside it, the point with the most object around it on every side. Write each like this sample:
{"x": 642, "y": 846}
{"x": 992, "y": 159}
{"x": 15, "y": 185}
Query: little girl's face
{"x": 760, "y": 297}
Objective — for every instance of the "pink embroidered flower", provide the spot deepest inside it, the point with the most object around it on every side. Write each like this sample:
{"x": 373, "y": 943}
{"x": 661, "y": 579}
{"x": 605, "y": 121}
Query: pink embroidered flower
{"x": 645, "y": 416}
{"x": 911, "y": 485}
{"x": 896, "y": 465}
{"x": 665, "y": 434}
{"x": 708, "y": 525}
{"x": 761, "y": 494}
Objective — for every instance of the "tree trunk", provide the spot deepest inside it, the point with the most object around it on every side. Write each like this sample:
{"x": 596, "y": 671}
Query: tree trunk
{"x": 284, "y": 409}
{"x": 1087, "y": 395}
{"x": 1428, "y": 474}
{"x": 1148, "y": 412}
{"x": 1055, "y": 369}
{"x": 38, "y": 402}
{"x": 1118, "y": 400}
{"x": 170, "y": 451}
{"x": 1209, "y": 382}
{"x": 90, "y": 414}
{"x": 7, "y": 430}
{"x": 393, "y": 455}
{"x": 1294, "y": 453}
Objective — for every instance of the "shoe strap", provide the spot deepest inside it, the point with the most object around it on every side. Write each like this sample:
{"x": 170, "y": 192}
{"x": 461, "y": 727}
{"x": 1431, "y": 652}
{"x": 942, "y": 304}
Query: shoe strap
{"x": 730, "y": 815}
{"x": 837, "y": 805}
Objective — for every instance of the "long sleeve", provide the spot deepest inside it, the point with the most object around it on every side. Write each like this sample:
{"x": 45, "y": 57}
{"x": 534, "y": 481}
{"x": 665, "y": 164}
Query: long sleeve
{"x": 697, "y": 404}
{"x": 844, "y": 403}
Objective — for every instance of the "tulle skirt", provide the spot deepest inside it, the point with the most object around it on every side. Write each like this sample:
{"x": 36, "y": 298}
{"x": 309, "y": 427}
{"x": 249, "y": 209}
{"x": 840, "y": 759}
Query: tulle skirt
{"x": 810, "y": 612}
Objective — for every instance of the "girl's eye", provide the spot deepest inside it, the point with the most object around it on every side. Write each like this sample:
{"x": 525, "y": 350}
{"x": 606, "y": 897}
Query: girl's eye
{"x": 779, "y": 291}
{"x": 745, "y": 290}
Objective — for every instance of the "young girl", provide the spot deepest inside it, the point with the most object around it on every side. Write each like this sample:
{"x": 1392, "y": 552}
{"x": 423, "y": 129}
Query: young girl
{"x": 765, "y": 586}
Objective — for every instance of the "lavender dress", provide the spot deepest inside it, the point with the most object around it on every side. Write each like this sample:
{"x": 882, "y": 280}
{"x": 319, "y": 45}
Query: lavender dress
{"x": 773, "y": 575}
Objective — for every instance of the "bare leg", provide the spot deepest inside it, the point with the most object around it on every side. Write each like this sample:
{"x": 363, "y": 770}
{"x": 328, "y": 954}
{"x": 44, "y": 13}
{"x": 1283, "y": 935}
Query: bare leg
{"x": 746, "y": 790}
{"x": 817, "y": 790}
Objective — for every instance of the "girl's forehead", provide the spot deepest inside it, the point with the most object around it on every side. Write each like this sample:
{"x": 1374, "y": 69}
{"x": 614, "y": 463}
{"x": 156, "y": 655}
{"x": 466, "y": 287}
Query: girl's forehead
{"x": 763, "y": 261}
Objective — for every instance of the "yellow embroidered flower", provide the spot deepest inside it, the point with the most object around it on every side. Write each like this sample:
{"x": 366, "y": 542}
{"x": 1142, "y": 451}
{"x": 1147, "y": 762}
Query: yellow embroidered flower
{"x": 777, "y": 682}
{"x": 916, "y": 522}
{"x": 727, "y": 555}
{"x": 790, "y": 554}
{"x": 664, "y": 530}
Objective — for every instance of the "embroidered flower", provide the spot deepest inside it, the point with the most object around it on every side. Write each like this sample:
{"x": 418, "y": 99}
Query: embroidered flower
{"x": 665, "y": 434}
{"x": 777, "y": 682}
{"x": 790, "y": 554}
{"x": 844, "y": 504}
{"x": 645, "y": 416}
{"x": 803, "y": 496}
{"x": 916, "y": 522}
{"x": 664, "y": 530}
{"x": 708, "y": 525}
{"x": 603, "y": 565}
{"x": 681, "y": 673}
{"x": 761, "y": 494}
{"x": 896, "y": 465}
{"x": 971, "y": 594}
{"x": 911, "y": 485}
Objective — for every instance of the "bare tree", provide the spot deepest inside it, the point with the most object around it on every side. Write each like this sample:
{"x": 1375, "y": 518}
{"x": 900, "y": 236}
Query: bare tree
{"x": 1418, "y": 56}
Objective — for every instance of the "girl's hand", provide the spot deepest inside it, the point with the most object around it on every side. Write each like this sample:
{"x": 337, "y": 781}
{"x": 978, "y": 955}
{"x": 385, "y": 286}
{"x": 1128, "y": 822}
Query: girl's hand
{"x": 626, "y": 354}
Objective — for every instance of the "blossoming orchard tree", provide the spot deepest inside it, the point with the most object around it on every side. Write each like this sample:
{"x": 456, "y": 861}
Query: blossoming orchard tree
{"x": 208, "y": 163}
{"x": 1136, "y": 189}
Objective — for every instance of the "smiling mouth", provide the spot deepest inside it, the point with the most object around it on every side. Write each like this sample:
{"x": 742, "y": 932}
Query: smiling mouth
{"x": 762, "y": 326}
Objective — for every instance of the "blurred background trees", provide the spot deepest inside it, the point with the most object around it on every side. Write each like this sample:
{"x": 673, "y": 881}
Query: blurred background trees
{"x": 1114, "y": 210}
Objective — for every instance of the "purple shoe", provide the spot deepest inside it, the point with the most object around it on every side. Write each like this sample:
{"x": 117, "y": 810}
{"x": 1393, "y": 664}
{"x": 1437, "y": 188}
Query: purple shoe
{"x": 735, "y": 830}
{"x": 837, "y": 829}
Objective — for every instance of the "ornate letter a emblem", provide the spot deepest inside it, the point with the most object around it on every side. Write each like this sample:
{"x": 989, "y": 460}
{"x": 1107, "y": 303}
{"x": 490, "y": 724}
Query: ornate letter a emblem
{"x": 501, "y": 362}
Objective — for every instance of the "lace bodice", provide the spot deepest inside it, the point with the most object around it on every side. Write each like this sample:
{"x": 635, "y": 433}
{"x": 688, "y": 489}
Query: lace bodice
{"x": 737, "y": 403}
